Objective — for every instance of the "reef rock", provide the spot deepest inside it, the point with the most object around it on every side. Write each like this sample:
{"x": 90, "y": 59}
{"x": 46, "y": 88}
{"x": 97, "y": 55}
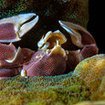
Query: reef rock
{"x": 92, "y": 103}
{"x": 91, "y": 71}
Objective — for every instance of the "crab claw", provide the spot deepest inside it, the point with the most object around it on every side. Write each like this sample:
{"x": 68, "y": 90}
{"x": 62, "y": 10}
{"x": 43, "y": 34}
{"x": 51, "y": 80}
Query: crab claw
{"x": 21, "y": 56}
{"x": 81, "y": 38}
{"x": 79, "y": 35}
{"x": 80, "y": 41}
{"x": 13, "y": 28}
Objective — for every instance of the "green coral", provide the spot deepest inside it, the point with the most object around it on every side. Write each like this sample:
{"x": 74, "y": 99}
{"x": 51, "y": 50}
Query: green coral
{"x": 10, "y": 9}
{"x": 1, "y": 3}
{"x": 56, "y": 90}
{"x": 77, "y": 12}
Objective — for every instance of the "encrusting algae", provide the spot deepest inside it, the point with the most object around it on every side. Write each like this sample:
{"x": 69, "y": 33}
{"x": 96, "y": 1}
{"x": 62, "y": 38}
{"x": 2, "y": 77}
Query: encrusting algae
{"x": 91, "y": 70}
{"x": 60, "y": 90}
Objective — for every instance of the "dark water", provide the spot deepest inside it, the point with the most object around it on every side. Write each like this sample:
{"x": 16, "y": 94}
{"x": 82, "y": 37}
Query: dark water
{"x": 96, "y": 23}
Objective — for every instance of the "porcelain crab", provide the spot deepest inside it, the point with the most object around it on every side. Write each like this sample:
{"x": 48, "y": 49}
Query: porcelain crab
{"x": 53, "y": 57}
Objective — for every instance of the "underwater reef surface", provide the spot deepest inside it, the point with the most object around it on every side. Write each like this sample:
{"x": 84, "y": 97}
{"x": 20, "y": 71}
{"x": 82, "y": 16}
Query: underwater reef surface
{"x": 92, "y": 103}
{"x": 87, "y": 83}
{"x": 56, "y": 90}
{"x": 92, "y": 72}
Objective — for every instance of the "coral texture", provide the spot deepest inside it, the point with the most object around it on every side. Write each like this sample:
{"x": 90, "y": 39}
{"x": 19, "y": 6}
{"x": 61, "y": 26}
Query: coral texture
{"x": 92, "y": 72}
{"x": 56, "y": 90}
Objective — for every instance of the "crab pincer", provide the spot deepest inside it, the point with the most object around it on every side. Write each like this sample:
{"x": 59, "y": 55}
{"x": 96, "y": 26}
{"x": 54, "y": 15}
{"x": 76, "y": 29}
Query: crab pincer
{"x": 13, "y": 28}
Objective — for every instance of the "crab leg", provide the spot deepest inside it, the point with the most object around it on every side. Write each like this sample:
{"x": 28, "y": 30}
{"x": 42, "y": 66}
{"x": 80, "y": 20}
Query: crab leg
{"x": 82, "y": 39}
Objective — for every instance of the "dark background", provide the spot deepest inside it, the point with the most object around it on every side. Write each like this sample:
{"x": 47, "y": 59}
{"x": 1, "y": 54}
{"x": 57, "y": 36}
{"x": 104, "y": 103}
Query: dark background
{"x": 96, "y": 24}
